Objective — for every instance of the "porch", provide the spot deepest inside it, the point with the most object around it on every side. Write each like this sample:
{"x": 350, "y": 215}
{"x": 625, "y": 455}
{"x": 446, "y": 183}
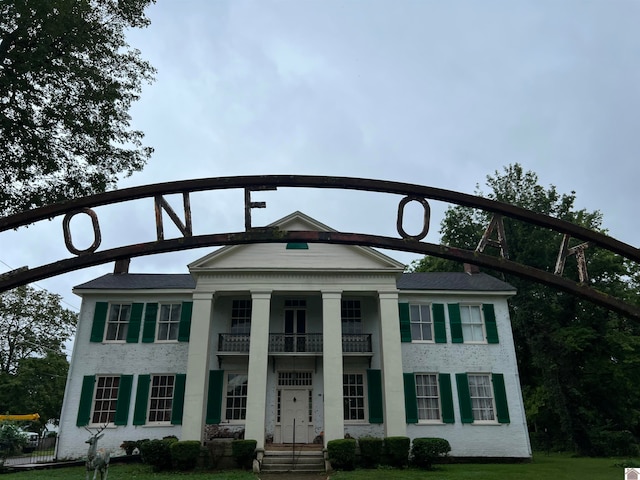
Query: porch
{"x": 297, "y": 343}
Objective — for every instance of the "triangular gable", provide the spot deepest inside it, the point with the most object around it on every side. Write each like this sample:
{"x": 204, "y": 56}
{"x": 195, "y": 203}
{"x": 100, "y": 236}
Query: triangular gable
{"x": 277, "y": 256}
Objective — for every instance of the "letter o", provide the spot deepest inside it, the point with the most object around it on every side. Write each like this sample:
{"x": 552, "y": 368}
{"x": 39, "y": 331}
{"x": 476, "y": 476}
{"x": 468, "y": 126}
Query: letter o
{"x": 97, "y": 237}
{"x": 426, "y": 218}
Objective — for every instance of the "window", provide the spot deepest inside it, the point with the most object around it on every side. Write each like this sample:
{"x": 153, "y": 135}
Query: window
{"x": 481, "y": 397}
{"x": 427, "y": 396}
{"x": 351, "y": 317}
{"x": 161, "y": 398}
{"x": 118, "y": 322}
{"x": 353, "y": 396}
{"x": 236, "y": 396}
{"x": 169, "y": 321}
{"x": 105, "y": 400}
{"x": 241, "y": 317}
{"x": 471, "y": 319}
{"x": 421, "y": 324}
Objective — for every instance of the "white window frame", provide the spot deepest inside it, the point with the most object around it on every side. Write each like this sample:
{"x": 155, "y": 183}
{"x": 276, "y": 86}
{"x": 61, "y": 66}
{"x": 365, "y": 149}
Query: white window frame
{"x": 245, "y": 320}
{"x": 427, "y": 397}
{"x": 155, "y": 396}
{"x": 364, "y": 407}
{"x": 111, "y": 399}
{"x": 227, "y": 397}
{"x": 419, "y": 321}
{"x": 473, "y": 326}
{"x": 480, "y": 401}
{"x": 122, "y": 326}
{"x": 352, "y": 321}
{"x": 169, "y": 322}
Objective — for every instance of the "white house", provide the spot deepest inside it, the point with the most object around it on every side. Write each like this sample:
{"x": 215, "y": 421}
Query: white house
{"x": 296, "y": 343}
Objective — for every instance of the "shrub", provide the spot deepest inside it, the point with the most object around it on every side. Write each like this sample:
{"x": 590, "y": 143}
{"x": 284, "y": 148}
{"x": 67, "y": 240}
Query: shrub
{"x": 243, "y": 452}
{"x": 425, "y": 451}
{"x": 156, "y": 453}
{"x": 184, "y": 455}
{"x": 370, "y": 451}
{"x": 607, "y": 443}
{"x": 129, "y": 446}
{"x": 342, "y": 453}
{"x": 396, "y": 451}
{"x": 12, "y": 439}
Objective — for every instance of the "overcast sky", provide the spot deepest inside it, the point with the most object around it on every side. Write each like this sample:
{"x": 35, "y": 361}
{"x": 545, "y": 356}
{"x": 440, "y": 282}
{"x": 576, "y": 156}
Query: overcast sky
{"x": 438, "y": 93}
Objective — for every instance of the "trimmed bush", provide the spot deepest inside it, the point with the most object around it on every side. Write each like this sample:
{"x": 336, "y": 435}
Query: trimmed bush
{"x": 425, "y": 451}
{"x": 244, "y": 451}
{"x": 156, "y": 453}
{"x": 184, "y": 455}
{"x": 370, "y": 451}
{"x": 342, "y": 453}
{"x": 396, "y": 451}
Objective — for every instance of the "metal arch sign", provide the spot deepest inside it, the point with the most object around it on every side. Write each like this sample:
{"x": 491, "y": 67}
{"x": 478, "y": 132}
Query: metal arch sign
{"x": 494, "y": 234}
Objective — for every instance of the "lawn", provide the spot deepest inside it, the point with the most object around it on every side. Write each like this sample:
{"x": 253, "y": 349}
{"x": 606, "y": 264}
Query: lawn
{"x": 555, "y": 466}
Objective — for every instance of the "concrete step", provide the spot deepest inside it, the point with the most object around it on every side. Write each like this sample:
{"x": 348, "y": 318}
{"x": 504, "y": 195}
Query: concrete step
{"x": 303, "y": 461}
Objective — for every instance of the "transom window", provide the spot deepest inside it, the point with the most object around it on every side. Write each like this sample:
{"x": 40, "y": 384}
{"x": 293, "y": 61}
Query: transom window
{"x": 236, "y": 396}
{"x": 421, "y": 323}
{"x": 241, "y": 317}
{"x": 427, "y": 396}
{"x": 105, "y": 399}
{"x": 169, "y": 321}
{"x": 481, "y": 397}
{"x": 353, "y": 396}
{"x": 471, "y": 319}
{"x": 118, "y": 321}
{"x": 161, "y": 398}
{"x": 295, "y": 379}
{"x": 351, "y": 317}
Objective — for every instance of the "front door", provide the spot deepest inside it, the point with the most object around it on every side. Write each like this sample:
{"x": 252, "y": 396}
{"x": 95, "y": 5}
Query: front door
{"x": 295, "y": 416}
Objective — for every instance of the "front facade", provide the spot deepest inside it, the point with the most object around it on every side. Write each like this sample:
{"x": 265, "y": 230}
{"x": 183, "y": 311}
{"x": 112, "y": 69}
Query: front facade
{"x": 296, "y": 343}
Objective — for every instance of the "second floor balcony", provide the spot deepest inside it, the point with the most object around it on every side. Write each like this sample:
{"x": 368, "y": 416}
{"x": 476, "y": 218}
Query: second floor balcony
{"x": 289, "y": 343}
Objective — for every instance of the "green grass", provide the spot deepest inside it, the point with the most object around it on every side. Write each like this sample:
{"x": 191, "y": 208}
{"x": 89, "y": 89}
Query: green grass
{"x": 553, "y": 467}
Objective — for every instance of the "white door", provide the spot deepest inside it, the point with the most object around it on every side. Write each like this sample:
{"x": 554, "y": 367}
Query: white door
{"x": 295, "y": 411}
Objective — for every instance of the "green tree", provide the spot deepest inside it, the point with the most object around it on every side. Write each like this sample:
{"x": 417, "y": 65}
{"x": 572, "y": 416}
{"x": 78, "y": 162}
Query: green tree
{"x": 579, "y": 363}
{"x": 67, "y": 81}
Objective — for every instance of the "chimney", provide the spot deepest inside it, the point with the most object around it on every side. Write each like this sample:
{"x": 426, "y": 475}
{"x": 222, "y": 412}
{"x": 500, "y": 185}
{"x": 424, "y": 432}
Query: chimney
{"x": 471, "y": 269}
{"x": 121, "y": 266}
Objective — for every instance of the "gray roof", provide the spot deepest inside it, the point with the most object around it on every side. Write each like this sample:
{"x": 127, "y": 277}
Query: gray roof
{"x": 408, "y": 281}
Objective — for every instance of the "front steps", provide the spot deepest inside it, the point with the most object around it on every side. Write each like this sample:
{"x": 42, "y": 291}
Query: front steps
{"x": 304, "y": 458}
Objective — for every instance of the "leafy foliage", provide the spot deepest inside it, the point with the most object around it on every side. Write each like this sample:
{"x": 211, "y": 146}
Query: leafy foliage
{"x": 244, "y": 451}
{"x": 157, "y": 453}
{"x": 396, "y": 450}
{"x": 11, "y": 440}
{"x": 67, "y": 81}
{"x": 342, "y": 453}
{"x": 184, "y": 454}
{"x": 425, "y": 451}
{"x": 370, "y": 451}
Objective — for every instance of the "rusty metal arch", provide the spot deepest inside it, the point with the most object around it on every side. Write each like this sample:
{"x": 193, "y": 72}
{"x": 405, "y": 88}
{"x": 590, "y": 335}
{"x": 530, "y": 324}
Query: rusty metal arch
{"x": 411, "y": 192}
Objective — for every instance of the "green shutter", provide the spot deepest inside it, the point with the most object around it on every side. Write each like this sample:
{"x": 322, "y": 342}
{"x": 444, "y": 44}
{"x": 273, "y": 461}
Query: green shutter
{"x": 374, "y": 389}
{"x": 185, "y": 322}
{"x": 502, "y": 409}
{"x": 99, "y": 321}
{"x": 133, "y": 331}
{"x": 490, "y": 323}
{"x": 86, "y": 399}
{"x": 149, "y": 329}
{"x": 439, "y": 329}
{"x": 455, "y": 322}
{"x": 464, "y": 398}
{"x": 178, "y": 399}
{"x": 214, "y": 396}
{"x": 410, "y": 401}
{"x": 446, "y": 398}
{"x": 142, "y": 399}
{"x": 405, "y": 322}
{"x": 297, "y": 246}
{"x": 121, "y": 416}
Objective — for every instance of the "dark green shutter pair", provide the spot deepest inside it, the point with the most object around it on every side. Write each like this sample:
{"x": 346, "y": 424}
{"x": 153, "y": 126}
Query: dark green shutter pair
{"x": 439, "y": 330}
{"x": 499, "y": 392}
{"x": 121, "y": 416}
{"x": 455, "y": 323}
{"x": 142, "y": 399}
{"x": 411, "y": 401}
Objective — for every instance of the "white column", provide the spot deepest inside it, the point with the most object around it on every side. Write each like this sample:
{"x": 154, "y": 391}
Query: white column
{"x": 395, "y": 423}
{"x": 332, "y": 366}
{"x": 197, "y": 368}
{"x": 258, "y": 363}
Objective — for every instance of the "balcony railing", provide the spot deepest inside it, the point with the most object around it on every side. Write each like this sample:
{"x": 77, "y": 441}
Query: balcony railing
{"x": 293, "y": 343}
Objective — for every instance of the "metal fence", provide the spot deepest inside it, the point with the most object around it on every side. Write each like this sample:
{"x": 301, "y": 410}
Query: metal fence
{"x": 41, "y": 451}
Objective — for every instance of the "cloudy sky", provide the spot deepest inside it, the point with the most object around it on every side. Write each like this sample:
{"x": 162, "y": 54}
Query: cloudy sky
{"x": 438, "y": 93}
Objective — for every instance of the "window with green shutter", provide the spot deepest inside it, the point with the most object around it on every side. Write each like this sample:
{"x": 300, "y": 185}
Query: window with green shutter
{"x": 455, "y": 322}
{"x": 446, "y": 398}
{"x": 86, "y": 400}
{"x": 185, "y": 322}
{"x": 121, "y": 416}
{"x": 405, "y": 322}
{"x": 178, "y": 399}
{"x": 374, "y": 390}
{"x": 99, "y": 321}
{"x": 464, "y": 398}
{"x": 490, "y": 323}
{"x": 500, "y": 392}
{"x": 133, "y": 332}
{"x": 142, "y": 397}
{"x": 439, "y": 328}
{"x": 149, "y": 329}
{"x": 214, "y": 397}
{"x": 410, "y": 401}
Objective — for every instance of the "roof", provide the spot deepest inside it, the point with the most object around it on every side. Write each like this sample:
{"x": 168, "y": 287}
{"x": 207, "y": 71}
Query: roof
{"x": 452, "y": 281}
{"x": 408, "y": 281}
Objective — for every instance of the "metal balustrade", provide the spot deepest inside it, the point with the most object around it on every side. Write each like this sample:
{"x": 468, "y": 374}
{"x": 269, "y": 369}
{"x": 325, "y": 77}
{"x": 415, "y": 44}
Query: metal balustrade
{"x": 293, "y": 343}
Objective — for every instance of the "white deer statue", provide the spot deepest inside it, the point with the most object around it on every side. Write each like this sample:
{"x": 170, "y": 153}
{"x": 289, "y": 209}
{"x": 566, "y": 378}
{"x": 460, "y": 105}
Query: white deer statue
{"x": 97, "y": 460}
